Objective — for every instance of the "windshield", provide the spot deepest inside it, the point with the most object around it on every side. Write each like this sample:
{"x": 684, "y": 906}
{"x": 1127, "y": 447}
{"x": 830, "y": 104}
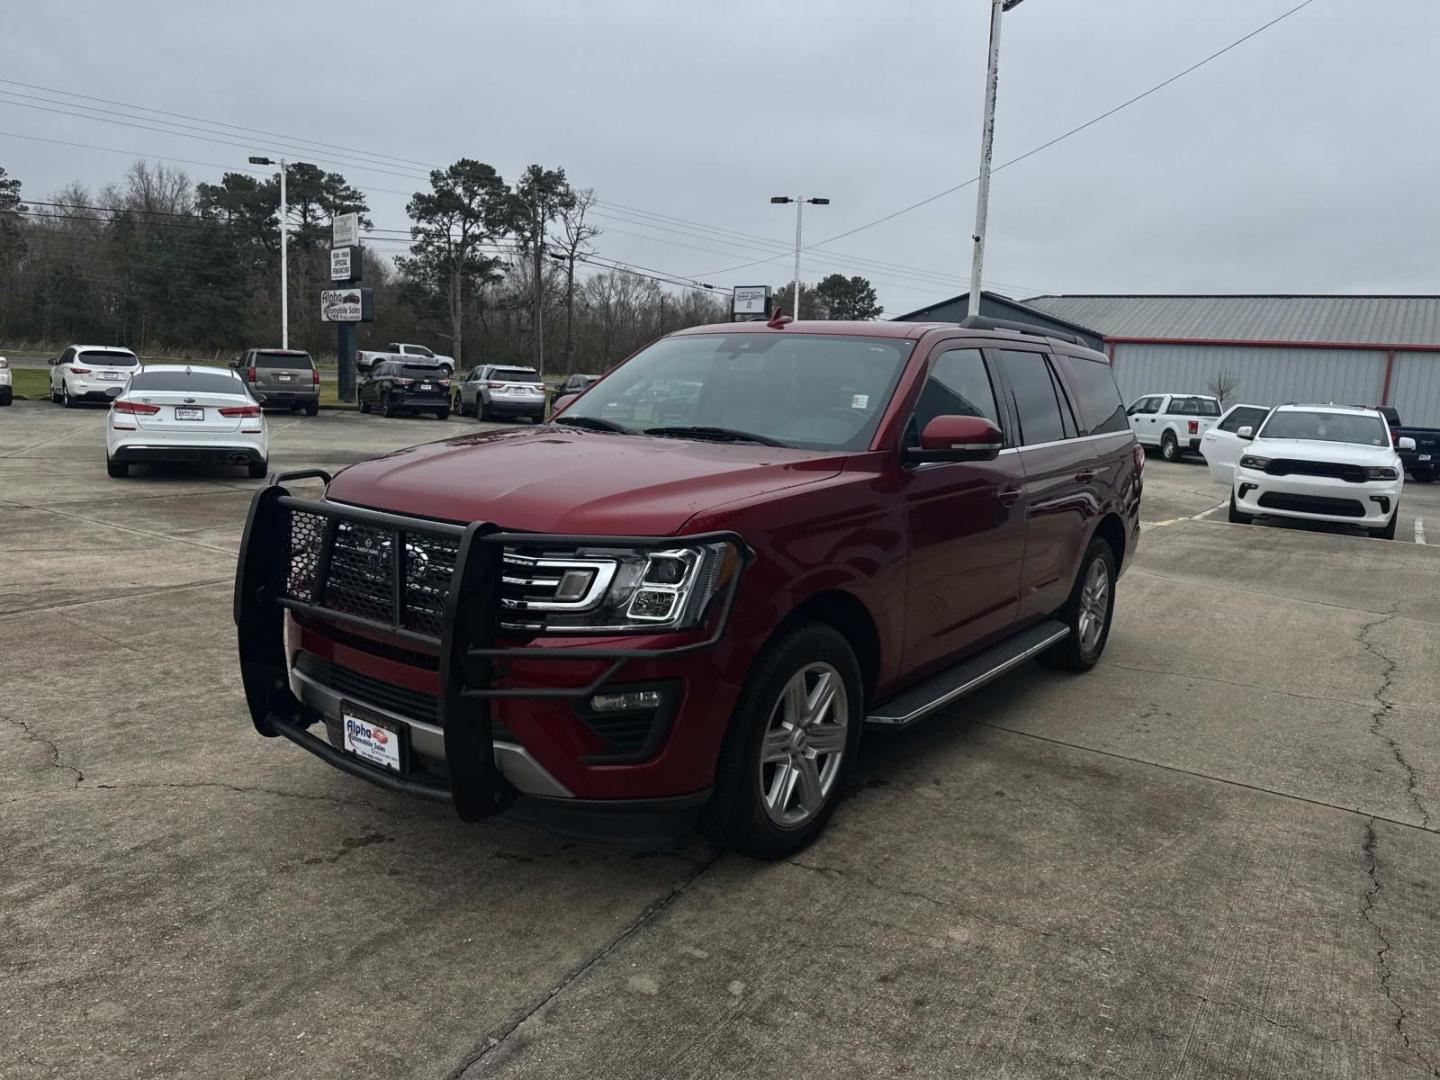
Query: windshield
{"x": 107, "y": 357}
{"x": 282, "y": 360}
{"x": 818, "y": 391}
{"x": 1326, "y": 427}
{"x": 194, "y": 382}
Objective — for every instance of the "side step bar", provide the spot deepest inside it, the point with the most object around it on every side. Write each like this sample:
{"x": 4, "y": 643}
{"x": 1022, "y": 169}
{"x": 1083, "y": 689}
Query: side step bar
{"x": 969, "y": 676}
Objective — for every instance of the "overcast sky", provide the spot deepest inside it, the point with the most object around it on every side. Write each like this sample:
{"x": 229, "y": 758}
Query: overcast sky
{"x": 1303, "y": 161}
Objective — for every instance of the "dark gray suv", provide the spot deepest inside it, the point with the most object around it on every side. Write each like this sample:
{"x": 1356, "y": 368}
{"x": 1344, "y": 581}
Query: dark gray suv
{"x": 281, "y": 378}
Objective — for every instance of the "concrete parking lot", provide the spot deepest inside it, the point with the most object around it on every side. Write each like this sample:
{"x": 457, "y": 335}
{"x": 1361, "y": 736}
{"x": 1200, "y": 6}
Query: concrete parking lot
{"x": 1214, "y": 856}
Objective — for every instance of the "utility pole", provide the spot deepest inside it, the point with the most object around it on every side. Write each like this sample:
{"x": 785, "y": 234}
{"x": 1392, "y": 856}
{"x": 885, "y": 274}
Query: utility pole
{"x": 539, "y": 293}
{"x": 799, "y": 202}
{"x": 284, "y": 254}
{"x": 987, "y": 149}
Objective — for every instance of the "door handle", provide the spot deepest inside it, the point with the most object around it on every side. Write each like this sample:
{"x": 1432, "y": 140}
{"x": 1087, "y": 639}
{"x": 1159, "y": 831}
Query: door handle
{"x": 1007, "y": 496}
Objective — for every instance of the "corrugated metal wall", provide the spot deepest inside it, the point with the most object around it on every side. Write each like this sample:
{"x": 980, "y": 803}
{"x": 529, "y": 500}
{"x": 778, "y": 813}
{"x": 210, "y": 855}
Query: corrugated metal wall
{"x": 1273, "y": 376}
{"x": 1415, "y": 388}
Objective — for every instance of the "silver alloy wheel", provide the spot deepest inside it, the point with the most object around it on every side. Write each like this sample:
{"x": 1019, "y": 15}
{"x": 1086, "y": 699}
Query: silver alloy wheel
{"x": 804, "y": 745}
{"x": 1094, "y": 606}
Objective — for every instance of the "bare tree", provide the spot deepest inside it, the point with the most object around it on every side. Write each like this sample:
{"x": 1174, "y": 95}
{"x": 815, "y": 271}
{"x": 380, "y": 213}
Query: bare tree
{"x": 574, "y": 242}
{"x": 1224, "y": 385}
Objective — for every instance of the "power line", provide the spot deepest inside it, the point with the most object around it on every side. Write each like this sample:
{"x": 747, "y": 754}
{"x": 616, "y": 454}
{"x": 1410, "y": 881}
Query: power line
{"x": 1043, "y": 146}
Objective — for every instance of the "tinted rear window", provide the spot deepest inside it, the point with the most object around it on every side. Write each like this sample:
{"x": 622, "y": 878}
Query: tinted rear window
{"x": 107, "y": 357}
{"x": 1101, "y": 407}
{"x": 281, "y": 360}
{"x": 514, "y": 374}
{"x": 1033, "y": 390}
{"x": 195, "y": 382}
{"x": 420, "y": 371}
{"x": 1193, "y": 406}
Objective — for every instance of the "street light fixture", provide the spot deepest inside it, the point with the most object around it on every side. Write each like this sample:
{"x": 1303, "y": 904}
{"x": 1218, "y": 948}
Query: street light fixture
{"x": 284, "y": 256}
{"x": 987, "y": 149}
{"x": 800, "y": 202}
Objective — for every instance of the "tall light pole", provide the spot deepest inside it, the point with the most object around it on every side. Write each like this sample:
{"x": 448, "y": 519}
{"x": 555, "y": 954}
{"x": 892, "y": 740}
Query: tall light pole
{"x": 799, "y": 202}
{"x": 987, "y": 148}
{"x": 284, "y": 255}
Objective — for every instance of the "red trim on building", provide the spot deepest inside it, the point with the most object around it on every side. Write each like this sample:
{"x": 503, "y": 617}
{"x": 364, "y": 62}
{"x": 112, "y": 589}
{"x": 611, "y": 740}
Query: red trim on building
{"x": 1355, "y": 346}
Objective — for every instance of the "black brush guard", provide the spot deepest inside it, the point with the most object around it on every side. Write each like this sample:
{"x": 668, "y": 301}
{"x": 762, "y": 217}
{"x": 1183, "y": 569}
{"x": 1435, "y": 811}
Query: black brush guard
{"x": 466, "y": 641}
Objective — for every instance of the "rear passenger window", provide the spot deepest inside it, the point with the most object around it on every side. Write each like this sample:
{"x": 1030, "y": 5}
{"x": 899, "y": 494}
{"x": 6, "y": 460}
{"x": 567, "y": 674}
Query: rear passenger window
{"x": 1033, "y": 389}
{"x": 958, "y": 385}
{"x": 1101, "y": 408}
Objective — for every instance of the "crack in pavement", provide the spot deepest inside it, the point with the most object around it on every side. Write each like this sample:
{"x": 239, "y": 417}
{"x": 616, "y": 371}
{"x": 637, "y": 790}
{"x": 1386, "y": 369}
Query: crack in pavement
{"x": 55, "y": 763}
{"x": 1383, "y": 707}
{"x": 1368, "y": 849}
{"x": 252, "y": 789}
{"x": 475, "y": 1060}
{"x": 1230, "y": 682}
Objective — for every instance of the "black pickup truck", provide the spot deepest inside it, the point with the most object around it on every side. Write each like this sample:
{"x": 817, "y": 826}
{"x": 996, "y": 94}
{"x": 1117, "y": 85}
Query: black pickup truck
{"x": 1422, "y": 461}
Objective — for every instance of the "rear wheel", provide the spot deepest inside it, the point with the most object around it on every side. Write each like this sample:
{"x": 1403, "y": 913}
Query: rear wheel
{"x": 1422, "y": 476}
{"x": 65, "y": 397}
{"x": 257, "y": 469}
{"x": 387, "y": 407}
{"x": 792, "y": 737}
{"x": 481, "y": 409}
{"x": 1236, "y": 517}
{"x": 1169, "y": 447}
{"x": 1387, "y": 532}
{"x": 442, "y": 414}
{"x": 1088, "y": 612}
{"x": 117, "y": 469}
{"x": 364, "y": 406}
{"x": 7, "y": 395}
{"x": 312, "y": 409}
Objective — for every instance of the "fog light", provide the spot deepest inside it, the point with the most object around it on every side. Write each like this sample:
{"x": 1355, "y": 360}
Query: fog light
{"x": 626, "y": 702}
{"x": 652, "y": 604}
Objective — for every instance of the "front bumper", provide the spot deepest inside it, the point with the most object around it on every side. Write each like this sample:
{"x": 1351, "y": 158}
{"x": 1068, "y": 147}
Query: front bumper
{"x": 501, "y": 721}
{"x": 1317, "y": 498}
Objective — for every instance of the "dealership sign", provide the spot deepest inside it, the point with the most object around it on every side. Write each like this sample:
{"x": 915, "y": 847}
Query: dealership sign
{"x": 345, "y": 263}
{"x": 345, "y": 230}
{"x": 347, "y": 305}
{"x": 750, "y": 301}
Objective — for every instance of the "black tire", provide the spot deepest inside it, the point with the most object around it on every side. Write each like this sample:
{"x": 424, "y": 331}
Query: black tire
{"x": 7, "y": 395}
{"x": 387, "y": 407}
{"x": 117, "y": 469}
{"x": 1170, "y": 447}
{"x": 312, "y": 409}
{"x": 65, "y": 398}
{"x": 457, "y": 404}
{"x": 257, "y": 469}
{"x": 54, "y": 397}
{"x": 1388, "y": 531}
{"x": 442, "y": 414}
{"x": 1236, "y": 517}
{"x": 736, "y": 816}
{"x": 482, "y": 411}
{"x": 1422, "y": 476}
{"x": 364, "y": 406}
{"x": 1082, "y": 648}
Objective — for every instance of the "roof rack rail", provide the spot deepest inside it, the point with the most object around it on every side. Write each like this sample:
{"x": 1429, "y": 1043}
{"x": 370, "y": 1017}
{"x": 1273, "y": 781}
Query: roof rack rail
{"x": 982, "y": 322}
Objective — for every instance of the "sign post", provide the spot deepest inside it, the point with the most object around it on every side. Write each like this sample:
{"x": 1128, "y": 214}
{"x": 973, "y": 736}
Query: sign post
{"x": 346, "y": 306}
{"x": 749, "y": 302}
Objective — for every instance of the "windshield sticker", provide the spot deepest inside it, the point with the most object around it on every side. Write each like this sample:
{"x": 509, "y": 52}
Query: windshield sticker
{"x": 860, "y": 401}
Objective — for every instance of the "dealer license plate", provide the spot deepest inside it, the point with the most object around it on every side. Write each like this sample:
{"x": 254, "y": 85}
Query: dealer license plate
{"x": 371, "y": 741}
{"x": 111, "y": 375}
{"x": 1424, "y": 457}
{"x": 182, "y": 413}
{"x": 285, "y": 376}
{"x": 426, "y": 386}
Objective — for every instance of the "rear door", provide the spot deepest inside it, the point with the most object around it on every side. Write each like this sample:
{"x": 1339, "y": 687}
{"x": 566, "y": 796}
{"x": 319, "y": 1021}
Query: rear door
{"x": 1222, "y": 446}
{"x": 966, "y": 524}
{"x": 1060, "y": 497}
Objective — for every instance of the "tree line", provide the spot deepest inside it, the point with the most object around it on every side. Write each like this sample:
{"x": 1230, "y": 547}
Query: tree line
{"x": 485, "y": 271}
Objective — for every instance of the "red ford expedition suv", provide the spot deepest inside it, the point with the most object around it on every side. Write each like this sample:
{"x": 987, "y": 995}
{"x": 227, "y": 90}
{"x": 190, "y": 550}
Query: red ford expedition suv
{"x": 693, "y": 587}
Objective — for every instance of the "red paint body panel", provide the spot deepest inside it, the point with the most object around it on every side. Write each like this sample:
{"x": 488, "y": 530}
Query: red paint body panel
{"x": 944, "y": 558}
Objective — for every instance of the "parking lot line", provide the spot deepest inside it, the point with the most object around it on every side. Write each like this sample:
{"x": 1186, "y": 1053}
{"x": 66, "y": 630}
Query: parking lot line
{"x": 1419, "y": 530}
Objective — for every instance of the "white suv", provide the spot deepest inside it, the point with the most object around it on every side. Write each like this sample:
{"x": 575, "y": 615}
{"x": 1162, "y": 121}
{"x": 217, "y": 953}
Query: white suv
{"x": 90, "y": 373}
{"x": 1332, "y": 463}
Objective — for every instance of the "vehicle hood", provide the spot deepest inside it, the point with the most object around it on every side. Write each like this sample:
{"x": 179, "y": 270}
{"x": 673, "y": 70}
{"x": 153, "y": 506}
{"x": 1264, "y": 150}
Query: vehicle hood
{"x": 547, "y": 479}
{"x": 1306, "y": 450}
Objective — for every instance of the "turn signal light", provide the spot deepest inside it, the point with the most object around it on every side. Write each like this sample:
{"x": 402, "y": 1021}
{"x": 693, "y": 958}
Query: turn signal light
{"x": 314, "y": 376}
{"x": 136, "y": 408}
{"x": 241, "y": 410}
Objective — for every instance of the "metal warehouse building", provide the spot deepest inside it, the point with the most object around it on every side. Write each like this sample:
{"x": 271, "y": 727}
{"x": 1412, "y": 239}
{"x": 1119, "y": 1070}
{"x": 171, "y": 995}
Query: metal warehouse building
{"x": 1361, "y": 350}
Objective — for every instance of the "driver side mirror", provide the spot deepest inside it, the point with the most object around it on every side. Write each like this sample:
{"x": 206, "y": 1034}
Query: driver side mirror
{"x": 1245, "y": 431}
{"x": 957, "y": 438}
{"x": 1405, "y": 442}
{"x": 562, "y": 402}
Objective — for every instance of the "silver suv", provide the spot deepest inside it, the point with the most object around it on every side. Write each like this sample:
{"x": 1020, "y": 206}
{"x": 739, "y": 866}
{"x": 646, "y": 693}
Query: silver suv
{"x": 285, "y": 378}
{"x": 491, "y": 391}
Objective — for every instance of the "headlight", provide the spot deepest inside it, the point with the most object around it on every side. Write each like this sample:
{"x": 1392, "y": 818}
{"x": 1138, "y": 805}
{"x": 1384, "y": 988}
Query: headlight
{"x": 596, "y": 590}
{"x": 1381, "y": 472}
{"x": 1250, "y": 461}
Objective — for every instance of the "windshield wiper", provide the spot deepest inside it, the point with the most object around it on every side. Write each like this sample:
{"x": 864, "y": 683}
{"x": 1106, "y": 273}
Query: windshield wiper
{"x": 594, "y": 423}
{"x": 722, "y": 434}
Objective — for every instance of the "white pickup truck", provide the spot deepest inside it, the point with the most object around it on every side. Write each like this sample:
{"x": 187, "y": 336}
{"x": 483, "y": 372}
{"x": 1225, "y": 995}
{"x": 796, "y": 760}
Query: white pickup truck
{"x": 409, "y": 352}
{"x": 1173, "y": 422}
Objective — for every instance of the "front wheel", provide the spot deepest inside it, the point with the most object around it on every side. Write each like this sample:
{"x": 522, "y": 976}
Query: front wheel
{"x": 1387, "y": 532}
{"x": 793, "y": 735}
{"x": 1422, "y": 476}
{"x": 1088, "y": 612}
{"x": 1236, "y": 517}
{"x": 1169, "y": 447}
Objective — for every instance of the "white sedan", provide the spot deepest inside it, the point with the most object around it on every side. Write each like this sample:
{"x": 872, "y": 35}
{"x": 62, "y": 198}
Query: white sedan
{"x": 173, "y": 413}
{"x": 1333, "y": 463}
